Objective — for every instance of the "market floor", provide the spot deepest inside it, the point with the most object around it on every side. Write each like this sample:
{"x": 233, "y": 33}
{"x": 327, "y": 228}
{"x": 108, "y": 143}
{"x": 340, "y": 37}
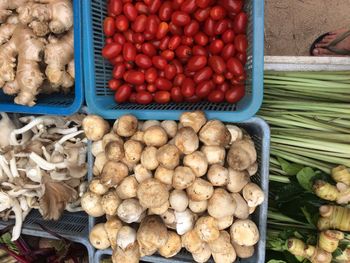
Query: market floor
{"x": 292, "y": 25}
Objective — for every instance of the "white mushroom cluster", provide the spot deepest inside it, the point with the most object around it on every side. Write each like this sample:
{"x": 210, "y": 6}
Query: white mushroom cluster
{"x": 167, "y": 185}
{"x": 42, "y": 166}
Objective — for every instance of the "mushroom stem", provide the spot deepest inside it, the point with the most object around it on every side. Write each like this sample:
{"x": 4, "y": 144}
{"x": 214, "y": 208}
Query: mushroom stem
{"x": 13, "y": 167}
{"x": 62, "y": 131}
{"x": 46, "y": 153}
{"x": 45, "y": 165}
{"x": 68, "y": 137}
{"x": 5, "y": 168}
{"x": 16, "y": 208}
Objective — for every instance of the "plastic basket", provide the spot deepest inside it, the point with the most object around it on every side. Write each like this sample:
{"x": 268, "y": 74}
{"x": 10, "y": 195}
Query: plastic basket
{"x": 260, "y": 132}
{"x": 56, "y": 103}
{"x": 73, "y": 226}
{"x": 97, "y": 73}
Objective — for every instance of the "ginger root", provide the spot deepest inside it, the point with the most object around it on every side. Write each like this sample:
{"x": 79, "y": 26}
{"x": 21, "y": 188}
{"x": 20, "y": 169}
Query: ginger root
{"x": 329, "y": 240}
{"x": 6, "y": 7}
{"x": 334, "y": 217}
{"x": 315, "y": 254}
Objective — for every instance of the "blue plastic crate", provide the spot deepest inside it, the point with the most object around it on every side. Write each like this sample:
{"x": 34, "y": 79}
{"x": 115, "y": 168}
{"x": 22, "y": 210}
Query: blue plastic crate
{"x": 97, "y": 73}
{"x": 259, "y": 130}
{"x": 57, "y": 103}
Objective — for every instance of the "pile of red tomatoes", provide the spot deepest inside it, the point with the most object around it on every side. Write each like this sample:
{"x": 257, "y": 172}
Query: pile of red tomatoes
{"x": 176, "y": 50}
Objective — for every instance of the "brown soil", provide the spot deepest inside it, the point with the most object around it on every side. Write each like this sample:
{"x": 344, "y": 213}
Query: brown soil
{"x": 292, "y": 25}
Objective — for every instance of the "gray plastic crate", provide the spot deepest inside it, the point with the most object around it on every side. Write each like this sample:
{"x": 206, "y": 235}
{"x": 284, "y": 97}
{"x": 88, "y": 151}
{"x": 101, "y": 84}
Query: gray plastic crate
{"x": 260, "y": 132}
{"x": 73, "y": 226}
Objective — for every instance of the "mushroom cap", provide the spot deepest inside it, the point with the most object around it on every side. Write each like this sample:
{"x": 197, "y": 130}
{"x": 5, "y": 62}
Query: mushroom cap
{"x": 214, "y": 154}
{"x": 130, "y": 210}
{"x": 110, "y": 203}
{"x": 218, "y": 175}
{"x": 225, "y": 222}
{"x": 141, "y": 173}
{"x": 191, "y": 241}
{"x": 126, "y": 237}
{"x": 155, "y": 136}
{"x": 112, "y": 227}
{"x": 183, "y": 177}
{"x": 164, "y": 175}
{"x": 152, "y": 233}
{"x": 127, "y": 188}
{"x": 186, "y": 140}
{"x": 98, "y": 237}
{"x": 113, "y": 173}
{"x": 97, "y": 187}
{"x": 170, "y": 127}
{"x": 244, "y": 232}
{"x": 200, "y": 190}
{"x": 159, "y": 210}
{"x": 242, "y": 209}
{"x": 130, "y": 255}
{"x": 114, "y": 151}
{"x": 91, "y": 204}
{"x": 133, "y": 150}
{"x": 221, "y": 244}
{"x": 184, "y": 221}
{"x": 207, "y": 228}
{"x": 172, "y": 246}
{"x": 198, "y": 162}
{"x": 195, "y": 120}
{"x": 215, "y": 133}
{"x": 168, "y": 156}
{"x": 253, "y": 194}
{"x": 225, "y": 258}
{"x": 237, "y": 180}
{"x": 150, "y": 123}
{"x": 221, "y": 204}
{"x": 242, "y": 154}
{"x": 178, "y": 200}
{"x": 149, "y": 158}
{"x": 198, "y": 206}
{"x": 95, "y": 127}
{"x": 126, "y": 125}
{"x": 152, "y": 193}
{"x": 203, "y": 254}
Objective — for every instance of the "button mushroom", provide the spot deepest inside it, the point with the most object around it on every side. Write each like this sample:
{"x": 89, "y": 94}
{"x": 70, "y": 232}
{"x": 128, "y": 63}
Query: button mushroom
{"x": 127, "y": 188}
{"x": 198, "y": 162}
{"x": 198, "y": 206}
{"x": 244, "y": 232}
{"x": 141, "y": 173}
{"x": 164, "y": 175}
{"x": 217, "y": 175}
{"x": 126, "y": 237}
{"x": 95, "y": 127}
{"x": 149, "y": 158}
{"x": 237, "y": 180}
{"x": 97, "y": 187}
{"x": 112, "y": 226}
{"x": 203, "y": 254}
{"x": 114, "y": 151}
{"x": 172, "y": 246}
{"x": 126, "y": 125}
{"x": 225, "y": 222}
{"x": 242, "y": 209}
{"x": 242, "y": 154}
{"x": 168, "y": 156}
{"x": 183, "y": 177}
{"x": 243, "y": 251}
{"x": 110, "y": 203}
{"x": 130, "y": 210}
{"x": 130, "y": 255}
{"x": 152, "y": 193}
{"x": 184, "y": 221}
{"x": 214, "y": 133}
{"x": 195, "y": 120}
{"x": 178, "y": 200}
{"x": 200, "y": 190}
{"x": 133, "y": 150}
{"x": 186, "y": 140}
{"x": 159, "y": 210}
{"x": 221, "y": 204}
{"x": 150, "y": 123}
{"x": 214, "y": 154}
{"x": 155, "y": 136}
{"x": 113, "y": 173}
{"x": 91, "y": 203}
{"x": 207, "y": 229}
{"x": 170, "y": 128}
{"x": 253, "y": 194}
{"x": 98, "y": 237}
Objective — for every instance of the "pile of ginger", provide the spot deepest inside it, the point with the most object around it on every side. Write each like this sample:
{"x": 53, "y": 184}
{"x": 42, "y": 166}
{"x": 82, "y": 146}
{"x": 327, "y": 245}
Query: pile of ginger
{"x": 36, "y": 48}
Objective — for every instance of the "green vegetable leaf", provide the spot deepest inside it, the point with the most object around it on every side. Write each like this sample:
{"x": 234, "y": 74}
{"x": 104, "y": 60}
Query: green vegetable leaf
{"x": 308, "y": 216}
{"x": 290, "y": 168}
{"x": 305, "y": 178}
{"x": 276, "y": 261}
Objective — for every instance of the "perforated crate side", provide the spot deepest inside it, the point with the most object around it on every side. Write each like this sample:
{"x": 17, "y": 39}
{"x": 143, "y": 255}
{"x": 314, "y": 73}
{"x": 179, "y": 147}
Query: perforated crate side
{"x": 97, "y": 73}
{"x": 258, "y": 129}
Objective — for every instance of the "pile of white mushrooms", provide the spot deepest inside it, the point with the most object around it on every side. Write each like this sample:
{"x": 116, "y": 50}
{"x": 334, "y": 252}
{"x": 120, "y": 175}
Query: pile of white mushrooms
{"x": 167, "y": 185}
{"x": 42, "y": 166}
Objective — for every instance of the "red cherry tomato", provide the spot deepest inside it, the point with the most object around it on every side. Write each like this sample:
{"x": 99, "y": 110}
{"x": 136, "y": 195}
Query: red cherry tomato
{"x": 203, "y": 74}
{"x": 228, "y": 36}
{"x": 223, "y": 87}
{"x": 163, "y": 29}
{"x": 148, "y": 49}
{"x": 114, "y": 84}
{"x": 193, "y": 99}
{"x": 188, "y": 87}
{"x": 175, "y": 30}
{"x": 217, "y": 64}
{"x": 203, "y": 3}
{"x": 109, "y": 26}
{"x": 129, "y": 52}
{"x": 109, "y": 40}
{"x": 201, "y": 39}
{"x": 240, "y": 23}
{"x": 216, "y": 46}
{"x": 187, "y": 41}
{"x": 242, "y": 57}
{"x": 168, "y": 54}
{"x": 235, "y": 66}
{"x": 141, "y": 87}
{"x": 174, "y": 42}
{"x": 170, "y": 71}
{"x": 180, "y": 18}
{"x": 162, "y": 97}
{"x": 141, "y": 8}
{"x": 218, "y": 79}
{"x": 209, "y": 27}
{"x": 152, "y": 25}
{"x": 202, "y": 14}
{"x": 188, "y": 6}
{"x": 138, "y": 38}
{"x": 176, "y": 94}
{"x": 199, "y": 51}
{"x": 151, "y": 75}
{"x": 121, "y": 23}
{"x": 140, "y": 24}
{"x": 130, "y": 11}
{"x": 129, "y": 36}
{"x": 235, "y": 94}
{"x": 116, "y": 60}
{"x": 234, "y": 6}
{"x": 143, "y": 61}
{"x": 119, "y": 38}
{"x": 204, "y": 88}
{"x": 216, "y": 96}
{"x": 197, "y": 62}
{"x": 179, "y": 78}
{"x": 178, "y": 65}
{"x": 165, "y": 11}
{"x": 123, "y": 93}
{"x": 163, "y": 84}
{"x": 154, "y": 6}
{"x": 159, "y": 62}
{"x": 119, "y": 70}
{"x": 176, "y": 4}
{"x": 163, "y": 45}
{"x": 151, "y": 88}
{"x": 220, "y": 27}
{"x": 144, "y": 97}
{"x": 191, "y": 29}
{"x": 134, "y": 77}
{"x": 115, "y": 7}
{"x": 217, "y": 12}
{"x": 111, "y": 50}
{"x": 241, "y": 43}
{"x": 183, "y": 52}
{"x": 228, "y": 51}
{"x": 132, "y": 97}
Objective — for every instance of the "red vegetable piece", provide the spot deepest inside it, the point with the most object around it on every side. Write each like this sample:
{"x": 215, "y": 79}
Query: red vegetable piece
{"x": 203, "y": 74}
{"x": 203, "y": 3}
{"x": 134, "y": 77}
{"x": 180, "y": 18}
{"x": 141, "y": 8}
{"x": 241, "y": 43}
{"x": 235, "y": 66}
{"x": 143, "y": 61}
{"x": 234, "y": 6}
{"x": 115, "y": 7}
{"x": 217, "y": 64}
{"x": 148, "y": 49}
{"x": 216, "y": 46}
{"x": 201, "y": 39}
{"x": 179, "y": 78}
{"x": 228, "y": 51}
{"x": 130, "y": 11}
{"x": 159, "y": 62}
{"x": 197, "y": 62}
{"x": 168, "y": 54}
{"x": 119, "y": 70}
{"x": 170, "y": 72}
{"x": 109, "y": 26}
{"x": 121, "y": 23}
{"x": 140, "y": 24}
{"x": 162, "y": 97}
{"x": 217, "y": 12}
{"x": 165, "y": 11}
{"x": 154, "y": 6}
{"x": 188, "y": 87}
{"x": 221, "y": 27}
{"x": 111, "y": 50}
{"x": 204, "y": 88}
{"x": 176, "y": 94}
{"x": 163, "y": 84}
{"x": 174, "y": 42}
{"x": 151, "y": 75}
{"x": 114, "y": 84}
{"x": 183, "y": 52}
{"x": 152, "y": 25}
{"x": 178, "y": 65}
{"x": 202, "y": 14}
{"x": 242, "y": 57}
{"x": 163, "y": 29}
{"x": 209, "y": 27}
{"x": 175, "y": 30}
{"x": 129, "y": 52}
{"x": 216, "y": 96}
{"x": 188, "y": 6}
{"x": 123, "y": 93}
{"x": 235, "y": 94}
{"x": 144, "y": 97}
{"x": 191, "y": 29}
{"x": 228, "y": 36}
{"x": 119, "y": 38}
{"x": 240, "y": 23}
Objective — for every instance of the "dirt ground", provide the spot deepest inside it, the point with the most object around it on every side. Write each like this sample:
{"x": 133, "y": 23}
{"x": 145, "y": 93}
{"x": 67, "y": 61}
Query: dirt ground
{"x": 292, "y": 25}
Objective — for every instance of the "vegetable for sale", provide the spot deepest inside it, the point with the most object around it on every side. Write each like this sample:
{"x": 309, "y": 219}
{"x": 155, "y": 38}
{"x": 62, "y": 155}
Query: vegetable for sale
{"x": 168, "y": 195}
